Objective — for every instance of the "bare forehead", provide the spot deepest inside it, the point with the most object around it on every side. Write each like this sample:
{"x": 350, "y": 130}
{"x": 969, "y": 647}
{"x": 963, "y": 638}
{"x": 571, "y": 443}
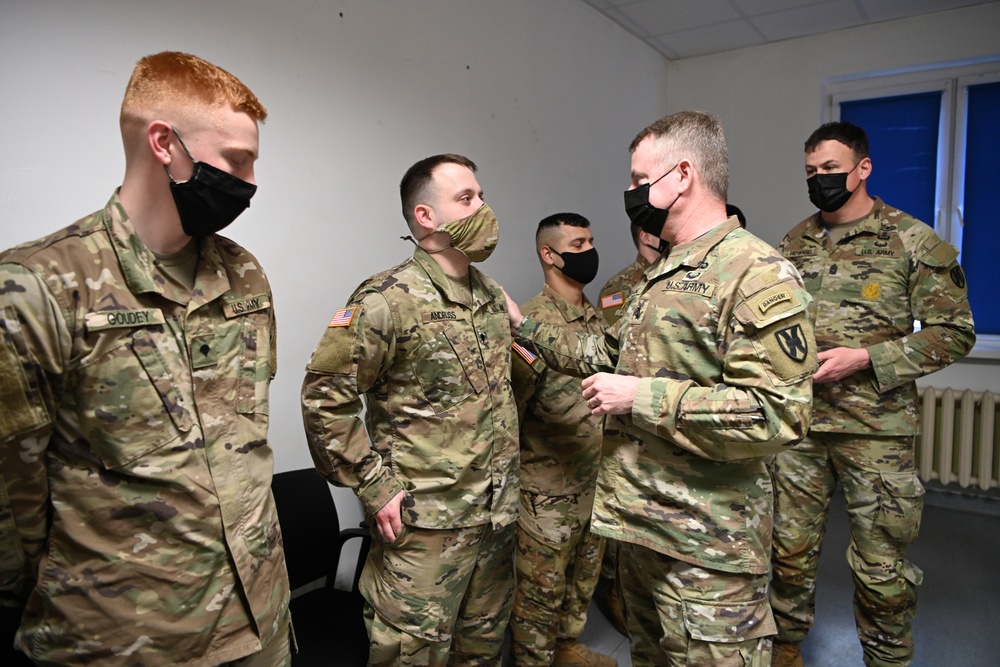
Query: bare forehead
{"x": 829, "y": 150}
{"x": 647, "y": 156}
{"x": 453, "y": 177}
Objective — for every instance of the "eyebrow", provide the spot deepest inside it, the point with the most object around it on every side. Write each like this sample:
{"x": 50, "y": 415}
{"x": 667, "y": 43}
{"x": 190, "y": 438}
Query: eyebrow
{"x": 468, "y": 191}
{"x": 234, "y": 150}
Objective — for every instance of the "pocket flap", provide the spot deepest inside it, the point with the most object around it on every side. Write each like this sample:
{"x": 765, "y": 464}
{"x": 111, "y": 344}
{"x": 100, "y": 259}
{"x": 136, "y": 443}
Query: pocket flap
{"x": 902, "y": 484}
{"x": 728, "y": 622}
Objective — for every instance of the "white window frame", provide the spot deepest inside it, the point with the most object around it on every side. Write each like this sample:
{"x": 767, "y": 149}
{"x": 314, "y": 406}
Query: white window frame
{"x": 952, "y": 79}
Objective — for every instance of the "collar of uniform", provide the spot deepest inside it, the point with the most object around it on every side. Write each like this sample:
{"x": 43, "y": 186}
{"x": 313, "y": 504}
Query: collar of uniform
{"x": 871, "y": 223}
{"x": 569, "y": 311}
{"x": 134, "y": 258}
{"x": 642, "y": 262}
{"x": 692, "y": 253}
{"x": 480, "y": 295}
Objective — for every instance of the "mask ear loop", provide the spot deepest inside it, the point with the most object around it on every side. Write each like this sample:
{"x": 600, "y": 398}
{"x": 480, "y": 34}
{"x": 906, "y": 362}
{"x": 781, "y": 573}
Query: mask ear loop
{"x": 186, "y": 151}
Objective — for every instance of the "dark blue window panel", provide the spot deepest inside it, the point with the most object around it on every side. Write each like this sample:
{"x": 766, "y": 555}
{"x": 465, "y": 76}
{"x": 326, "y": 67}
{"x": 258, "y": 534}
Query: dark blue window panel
{"x": 903, "y": 139}
{"x": 981, "y": 237}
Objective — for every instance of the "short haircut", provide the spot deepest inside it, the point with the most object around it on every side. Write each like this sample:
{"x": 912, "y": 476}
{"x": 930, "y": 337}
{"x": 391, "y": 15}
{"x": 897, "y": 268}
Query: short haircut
{"x": 171, "y": 85}
{"x": 553, "y": 222}
{"x": 415, "y": 188}
{"x": 635, "y": 230}
{"x": 696, "y": 135}
{"x": 846, "y": 133}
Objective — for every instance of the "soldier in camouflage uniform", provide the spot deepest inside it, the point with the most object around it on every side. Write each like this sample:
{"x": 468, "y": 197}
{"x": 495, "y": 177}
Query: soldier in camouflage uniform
{"x": 427, "y": 345}
{"x": 138, "y": 525}
{"x": 616, "y": 291}
{"x": 706, "y": 374}
{"x": 872, "y": 270}
{"x": 558, "y": 559}
{"x": 612, "y": 298}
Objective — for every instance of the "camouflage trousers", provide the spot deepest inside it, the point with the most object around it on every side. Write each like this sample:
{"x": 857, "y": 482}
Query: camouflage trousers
{"x": 277, "y": 653}
{"x": 683, "y": 615}
{"x": 439, "y": 597}
{"x": 884, "y": 505}
{"x": 558, "y": 563}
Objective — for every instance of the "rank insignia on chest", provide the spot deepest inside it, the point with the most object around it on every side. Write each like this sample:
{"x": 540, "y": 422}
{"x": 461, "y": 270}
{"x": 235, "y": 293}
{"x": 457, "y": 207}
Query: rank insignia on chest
{"x": 342, "y": 317}
{"x": 793, "y": 342}
{"x": 871, "y": 291}
{"x": 525, "y": 353}
{"x": 612, "y": 300}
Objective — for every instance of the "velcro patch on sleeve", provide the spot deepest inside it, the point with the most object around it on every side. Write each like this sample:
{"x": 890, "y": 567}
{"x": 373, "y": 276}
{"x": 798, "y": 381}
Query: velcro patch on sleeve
{"x": 333, "y": 355}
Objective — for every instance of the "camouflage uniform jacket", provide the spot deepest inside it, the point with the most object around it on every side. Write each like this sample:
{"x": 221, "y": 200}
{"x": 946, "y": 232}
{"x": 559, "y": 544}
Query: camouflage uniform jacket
{"x": 434, "y": 370}
{"x": 560, "y": 439}
{"x": 137, "y": 515}
{"x": 867, "y": 291}
{"x": 615, "y": 292}
{"x": 718, "y": 334}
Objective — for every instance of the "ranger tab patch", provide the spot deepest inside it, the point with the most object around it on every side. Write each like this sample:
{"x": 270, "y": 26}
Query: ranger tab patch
{"x": 342, "y": 317}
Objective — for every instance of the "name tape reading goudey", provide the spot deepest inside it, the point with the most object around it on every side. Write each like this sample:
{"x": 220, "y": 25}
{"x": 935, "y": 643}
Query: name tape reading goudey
{"x": 123, "y": 319}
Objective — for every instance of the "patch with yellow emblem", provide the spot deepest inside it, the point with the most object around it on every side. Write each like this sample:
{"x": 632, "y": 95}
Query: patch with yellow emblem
{"x": 871, "y": 291}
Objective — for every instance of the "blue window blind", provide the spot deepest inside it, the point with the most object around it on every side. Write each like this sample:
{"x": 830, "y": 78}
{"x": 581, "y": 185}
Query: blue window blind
{"x": 903, "y": 138}
{"x": 981, "y": 235}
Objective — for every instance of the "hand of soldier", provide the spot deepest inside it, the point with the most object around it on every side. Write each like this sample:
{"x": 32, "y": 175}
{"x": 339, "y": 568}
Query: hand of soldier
{"x": 608, "y": 394}
{"x": 840, "y": 362}
{"x": 389, "y": 519}
{"x": 513, "y": 312}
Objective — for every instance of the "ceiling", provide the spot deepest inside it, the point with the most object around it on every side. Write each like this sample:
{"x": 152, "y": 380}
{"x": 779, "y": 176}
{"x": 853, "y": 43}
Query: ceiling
{"x": 685, "y": 28}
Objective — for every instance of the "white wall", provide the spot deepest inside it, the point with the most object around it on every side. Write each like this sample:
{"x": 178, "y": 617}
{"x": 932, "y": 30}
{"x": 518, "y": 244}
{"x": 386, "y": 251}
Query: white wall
{"x": 769, "y": 100}
{"x": 544, "y": 96}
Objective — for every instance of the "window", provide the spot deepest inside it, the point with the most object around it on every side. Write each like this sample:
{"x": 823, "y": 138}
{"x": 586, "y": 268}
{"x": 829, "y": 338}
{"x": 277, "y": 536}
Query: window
{"x": 933, "y": 132}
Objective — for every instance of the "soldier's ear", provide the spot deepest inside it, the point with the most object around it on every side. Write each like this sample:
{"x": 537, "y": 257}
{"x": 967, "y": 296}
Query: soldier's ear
{"x": 865, "y": 168}
{"x": 545, "y": 252}
{"x": 158, "y": 135}
{"x": 424, "y": 215}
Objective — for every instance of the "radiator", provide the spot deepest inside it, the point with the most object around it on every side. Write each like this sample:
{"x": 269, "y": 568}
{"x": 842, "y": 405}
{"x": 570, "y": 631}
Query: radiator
{"x": 959, "y": 439}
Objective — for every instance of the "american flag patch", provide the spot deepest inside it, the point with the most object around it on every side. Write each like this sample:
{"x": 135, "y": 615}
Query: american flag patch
{"x": 527, "y": 354}
{"x": 611, "y": 300}
{"x": 342, "y": 317}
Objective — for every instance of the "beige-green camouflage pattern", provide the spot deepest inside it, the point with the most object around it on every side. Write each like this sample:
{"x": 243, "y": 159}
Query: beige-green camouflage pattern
{"x": 435, "y": 373}
{"x": 138, "y": 522}
{"x": 433, "y": 365}
{"x": 558, "y": 559}
{"x": 615, "y": 292}
{"x": 719, "y": 336}
{"x": 558, "y": 563}
{"x": 868, "y": 289}
{"x": 681, "y": 614}
{"x": 560, "y": 439}
{"x": 418, "y": 586}
{"x": 613, "y": 296}
{"x": 885, "y": 501}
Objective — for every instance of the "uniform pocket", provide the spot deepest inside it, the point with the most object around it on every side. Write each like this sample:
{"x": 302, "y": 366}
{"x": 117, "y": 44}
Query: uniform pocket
{"x": 439, "y": 369}
{"x": 901, "y": 505}
{"x": 728, "y": 622}
{"x": 129, "y": 403}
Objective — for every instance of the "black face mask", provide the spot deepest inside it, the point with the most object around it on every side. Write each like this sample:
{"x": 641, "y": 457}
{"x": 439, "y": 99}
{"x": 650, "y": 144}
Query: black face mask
{"x": 828, "y": 192}
{"x": 579, "y": 266}
{"x": 211, "y": 199}
{"x": 641, "y": 212}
